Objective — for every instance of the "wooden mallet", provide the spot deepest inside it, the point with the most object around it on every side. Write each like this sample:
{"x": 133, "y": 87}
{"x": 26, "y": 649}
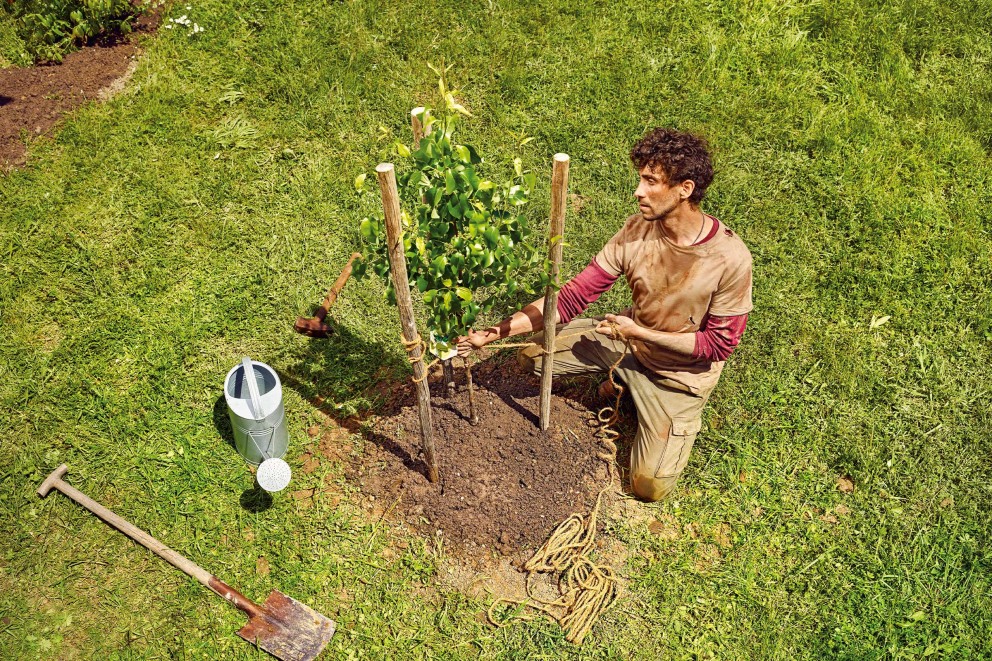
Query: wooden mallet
{"x": 314, "y": 326}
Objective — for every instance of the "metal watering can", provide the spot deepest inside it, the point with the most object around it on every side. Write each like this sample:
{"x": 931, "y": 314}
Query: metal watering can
{"x": 254, "y": 403}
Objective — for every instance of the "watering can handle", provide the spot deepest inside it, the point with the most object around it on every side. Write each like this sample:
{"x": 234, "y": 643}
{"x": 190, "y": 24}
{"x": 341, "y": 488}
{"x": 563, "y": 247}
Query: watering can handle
{"x": 256, "y": 399}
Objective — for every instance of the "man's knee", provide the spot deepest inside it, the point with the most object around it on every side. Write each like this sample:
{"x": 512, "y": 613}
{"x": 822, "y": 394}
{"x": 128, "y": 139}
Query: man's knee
{"x": 527, "y": 358}
{"x": 651, "y": 488}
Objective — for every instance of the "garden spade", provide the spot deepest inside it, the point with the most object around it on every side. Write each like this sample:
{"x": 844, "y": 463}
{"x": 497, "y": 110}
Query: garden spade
{"x": 281, "y": 626}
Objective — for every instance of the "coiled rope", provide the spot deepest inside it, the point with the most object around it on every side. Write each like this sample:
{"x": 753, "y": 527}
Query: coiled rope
{"x": 587, "y": 590}
{"x": 411, "y": 346}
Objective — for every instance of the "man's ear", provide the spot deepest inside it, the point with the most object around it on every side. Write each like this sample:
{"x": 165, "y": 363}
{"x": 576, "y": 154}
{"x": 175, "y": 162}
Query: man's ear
{"x": 686, "y": 188}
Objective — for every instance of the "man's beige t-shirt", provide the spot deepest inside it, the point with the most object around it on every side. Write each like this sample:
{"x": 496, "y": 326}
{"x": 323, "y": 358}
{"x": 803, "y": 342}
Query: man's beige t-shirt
{"x": 675, "y": 288}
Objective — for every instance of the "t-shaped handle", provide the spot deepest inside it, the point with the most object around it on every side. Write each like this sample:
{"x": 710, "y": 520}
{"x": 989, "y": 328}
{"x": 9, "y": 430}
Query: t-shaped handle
{"x": 52, "y": 480}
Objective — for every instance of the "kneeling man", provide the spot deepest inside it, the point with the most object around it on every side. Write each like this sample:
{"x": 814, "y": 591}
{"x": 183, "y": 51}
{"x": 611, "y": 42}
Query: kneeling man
{"x": 690, "y": 277}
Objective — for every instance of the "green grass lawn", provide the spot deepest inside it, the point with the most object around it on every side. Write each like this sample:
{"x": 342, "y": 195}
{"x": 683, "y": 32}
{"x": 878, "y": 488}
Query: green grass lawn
{"x": 157, "y": 238}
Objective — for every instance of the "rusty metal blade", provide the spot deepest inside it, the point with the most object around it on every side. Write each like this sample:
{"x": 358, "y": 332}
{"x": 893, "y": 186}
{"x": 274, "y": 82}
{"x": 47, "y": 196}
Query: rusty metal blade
{"x": 287, "y": 629}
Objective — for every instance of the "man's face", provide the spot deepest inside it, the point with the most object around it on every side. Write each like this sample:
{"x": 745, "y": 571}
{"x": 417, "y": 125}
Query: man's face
{"x": 655, "y": 197}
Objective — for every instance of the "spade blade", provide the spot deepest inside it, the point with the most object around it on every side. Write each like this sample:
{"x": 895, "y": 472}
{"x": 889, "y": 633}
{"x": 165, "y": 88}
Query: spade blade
{"x": 287, "y": 629}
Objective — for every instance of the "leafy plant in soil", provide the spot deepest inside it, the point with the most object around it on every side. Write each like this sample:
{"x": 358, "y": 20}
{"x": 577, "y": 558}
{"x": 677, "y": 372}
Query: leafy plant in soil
{"x": 52, "y": 28}
{"x": 464, "y": 236}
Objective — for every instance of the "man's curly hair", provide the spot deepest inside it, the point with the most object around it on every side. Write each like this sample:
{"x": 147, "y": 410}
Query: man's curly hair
{"x": 679, "y": 156}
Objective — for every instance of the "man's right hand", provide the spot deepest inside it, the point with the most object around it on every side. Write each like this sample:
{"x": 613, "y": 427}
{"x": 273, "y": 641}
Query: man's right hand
{"x": 475, "y": 340}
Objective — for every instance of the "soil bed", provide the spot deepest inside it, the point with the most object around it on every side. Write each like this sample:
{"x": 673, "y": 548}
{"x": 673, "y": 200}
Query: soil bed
{"x": 33, "y": 99}
{"x": 505, "y": 484}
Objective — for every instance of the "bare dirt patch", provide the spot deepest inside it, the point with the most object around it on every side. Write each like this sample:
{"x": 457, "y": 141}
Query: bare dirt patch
{"x": 33, "y": 99}
{"x": 505, "y": 484}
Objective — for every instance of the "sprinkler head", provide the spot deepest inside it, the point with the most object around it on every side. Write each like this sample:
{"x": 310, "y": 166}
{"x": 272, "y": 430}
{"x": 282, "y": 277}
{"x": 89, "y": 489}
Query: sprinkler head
{"x": 273, "y": 475}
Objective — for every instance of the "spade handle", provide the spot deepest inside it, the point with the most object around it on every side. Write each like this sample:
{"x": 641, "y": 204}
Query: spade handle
{"x": 55, "y": 481}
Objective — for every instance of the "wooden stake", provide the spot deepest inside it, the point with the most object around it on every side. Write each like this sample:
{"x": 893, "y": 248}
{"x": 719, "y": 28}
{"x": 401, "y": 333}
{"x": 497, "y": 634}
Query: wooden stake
{"x": 559, "y": 189}
{"x": 449, "y": 378}
{"x": 401, "y": 285}
{"x": 473, "y": 417}
{"x": 418, "y": 127}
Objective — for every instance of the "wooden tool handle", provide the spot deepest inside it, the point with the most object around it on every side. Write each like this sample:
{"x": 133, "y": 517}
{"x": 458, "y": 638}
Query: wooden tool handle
{"x": 55, "y": 481}
{"x": 332, "y": 294}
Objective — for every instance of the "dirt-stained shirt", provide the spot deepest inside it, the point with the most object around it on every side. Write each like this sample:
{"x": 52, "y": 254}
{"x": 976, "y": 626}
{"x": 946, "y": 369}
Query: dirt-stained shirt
{"x": 675, "y": 288}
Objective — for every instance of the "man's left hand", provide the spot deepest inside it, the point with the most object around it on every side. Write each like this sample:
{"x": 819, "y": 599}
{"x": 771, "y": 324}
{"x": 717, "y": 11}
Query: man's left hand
{"x": 618, "y": 328}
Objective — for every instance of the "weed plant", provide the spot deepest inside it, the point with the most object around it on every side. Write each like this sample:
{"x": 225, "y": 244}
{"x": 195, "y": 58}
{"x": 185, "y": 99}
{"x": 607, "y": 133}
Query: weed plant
{"x": 837, "y": 503}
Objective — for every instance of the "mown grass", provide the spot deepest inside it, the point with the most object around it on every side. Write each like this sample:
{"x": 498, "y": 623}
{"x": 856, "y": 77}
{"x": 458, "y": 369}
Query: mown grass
{"x": 159, "y": 237}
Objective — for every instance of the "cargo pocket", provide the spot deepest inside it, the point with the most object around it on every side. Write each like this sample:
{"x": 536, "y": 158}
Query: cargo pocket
{"x": 680, "y": 440}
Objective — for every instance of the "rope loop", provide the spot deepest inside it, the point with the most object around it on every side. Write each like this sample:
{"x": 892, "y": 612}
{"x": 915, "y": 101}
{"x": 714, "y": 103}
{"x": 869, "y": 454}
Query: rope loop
{"x": 413, "y": 345}
{"x": 587, "y": 589}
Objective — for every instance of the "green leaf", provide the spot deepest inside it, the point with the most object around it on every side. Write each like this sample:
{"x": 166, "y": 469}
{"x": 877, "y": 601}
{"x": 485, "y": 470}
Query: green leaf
{"x": 464, "y": 293}
{"x": 517, "y": 196}
{"x": 402, "y": 150}
{"x": 368, "y": 229}
{"x": 472, "y": 178}
{"x": 518, "y": 166}
{"x": 449, "y": 182}
{"x": 464, "y": 155}
{"x": 491, "y": 235}
{"x": 360, "y": 182}
{"x": 449, "y": 99}
{"x": 530, "y": 179}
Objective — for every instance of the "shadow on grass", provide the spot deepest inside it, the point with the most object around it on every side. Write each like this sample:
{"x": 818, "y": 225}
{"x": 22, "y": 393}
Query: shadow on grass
{"x": 333, "y": 373}
{"x": 222, "y": 422}
{"x": 255, "y": 499}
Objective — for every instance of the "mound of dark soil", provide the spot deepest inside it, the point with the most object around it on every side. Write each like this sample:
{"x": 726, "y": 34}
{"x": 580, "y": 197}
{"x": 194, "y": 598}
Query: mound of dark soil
{"x": 505, "y": 484}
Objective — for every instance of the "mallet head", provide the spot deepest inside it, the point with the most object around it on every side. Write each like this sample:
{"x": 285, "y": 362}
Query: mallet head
{"x": 51, "y": 480}
{"x": 312, "y": 326}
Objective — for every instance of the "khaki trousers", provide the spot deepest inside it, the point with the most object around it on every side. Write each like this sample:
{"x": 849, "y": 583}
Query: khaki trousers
{"x": 668, "y": 419}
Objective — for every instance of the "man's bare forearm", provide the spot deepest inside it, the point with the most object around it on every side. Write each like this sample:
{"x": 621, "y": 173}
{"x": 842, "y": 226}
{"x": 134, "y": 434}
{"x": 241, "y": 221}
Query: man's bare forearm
{"x": 683, "y": 343}
{"x": 528, "y": 319}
